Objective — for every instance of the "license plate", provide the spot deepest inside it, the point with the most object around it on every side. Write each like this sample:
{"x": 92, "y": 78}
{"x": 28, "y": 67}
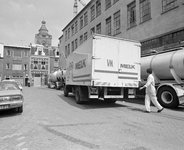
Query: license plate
{"x": 4, "y": 106}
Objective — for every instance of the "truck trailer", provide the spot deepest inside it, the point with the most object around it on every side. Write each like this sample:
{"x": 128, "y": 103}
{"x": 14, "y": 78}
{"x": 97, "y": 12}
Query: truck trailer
{"x": 56, "y": 79}
{"x": 102, "y": 67}
{"x": 168, "y": 71}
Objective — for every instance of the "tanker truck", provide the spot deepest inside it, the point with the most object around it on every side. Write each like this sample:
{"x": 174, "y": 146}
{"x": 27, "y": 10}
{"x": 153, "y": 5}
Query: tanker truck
{"x": 56, "y": 79}
{"x": 168, "y": 70}
{"x": 102, "y": 67}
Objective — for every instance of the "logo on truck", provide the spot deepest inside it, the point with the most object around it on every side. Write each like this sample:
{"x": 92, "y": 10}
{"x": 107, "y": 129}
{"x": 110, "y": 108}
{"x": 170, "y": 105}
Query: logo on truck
{"x": 80, "y": 64}
{"x": 127, "y": 66}
{"x": 109, "y": 63}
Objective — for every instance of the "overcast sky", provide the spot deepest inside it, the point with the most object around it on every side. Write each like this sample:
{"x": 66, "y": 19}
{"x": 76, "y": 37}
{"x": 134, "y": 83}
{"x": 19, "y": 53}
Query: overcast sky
{"x": 20, "y": 20}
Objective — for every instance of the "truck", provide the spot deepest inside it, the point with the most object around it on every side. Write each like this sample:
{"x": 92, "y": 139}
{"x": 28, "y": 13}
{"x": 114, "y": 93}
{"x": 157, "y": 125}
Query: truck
{"x": 168, "y": 71}
{"x": 101, "y": 68}
{"x": 56, "y": 79}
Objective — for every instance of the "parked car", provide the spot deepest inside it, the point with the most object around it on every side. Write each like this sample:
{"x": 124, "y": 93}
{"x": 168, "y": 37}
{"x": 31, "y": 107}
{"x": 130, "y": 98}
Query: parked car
{"x": 18, "y": 83}
{"x": 11, "y": 96}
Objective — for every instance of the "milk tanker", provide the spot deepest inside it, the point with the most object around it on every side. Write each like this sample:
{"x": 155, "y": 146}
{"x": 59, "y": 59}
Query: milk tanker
{"x": 168, "y": 70}
{"x": 56, "y": 79}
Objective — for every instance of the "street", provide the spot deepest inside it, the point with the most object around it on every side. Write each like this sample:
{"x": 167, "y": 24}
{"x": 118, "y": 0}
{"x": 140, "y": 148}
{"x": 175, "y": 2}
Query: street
{"x": 51, "y": 121}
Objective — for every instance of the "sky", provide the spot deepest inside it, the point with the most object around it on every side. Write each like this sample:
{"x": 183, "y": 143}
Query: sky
{"x": 20, "y": 20}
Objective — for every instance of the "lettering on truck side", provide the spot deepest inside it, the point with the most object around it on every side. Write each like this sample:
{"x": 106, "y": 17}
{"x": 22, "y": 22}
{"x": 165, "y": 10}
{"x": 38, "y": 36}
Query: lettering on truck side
{"x": 109, "y": 63}
{"x": 80, "y": 64}
{"x": 127, "y": 66}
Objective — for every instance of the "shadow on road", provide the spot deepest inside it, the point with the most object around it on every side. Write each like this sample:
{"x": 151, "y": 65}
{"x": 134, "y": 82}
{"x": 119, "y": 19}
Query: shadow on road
{"x": 8, "y": 113}
{"x": 92, "y": 104}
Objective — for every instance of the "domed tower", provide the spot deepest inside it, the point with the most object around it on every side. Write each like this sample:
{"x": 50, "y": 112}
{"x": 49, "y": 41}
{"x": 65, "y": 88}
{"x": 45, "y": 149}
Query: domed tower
{"x": 43, "y": 37}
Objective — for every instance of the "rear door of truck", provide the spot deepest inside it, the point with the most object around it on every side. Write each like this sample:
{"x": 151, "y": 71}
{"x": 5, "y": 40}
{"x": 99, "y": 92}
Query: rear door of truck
{"x": 105, "y": 61}
{"x": 129, "y": 64}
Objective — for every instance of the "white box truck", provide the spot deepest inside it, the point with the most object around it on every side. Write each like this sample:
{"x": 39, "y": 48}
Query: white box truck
{"x": 102, "y": 67}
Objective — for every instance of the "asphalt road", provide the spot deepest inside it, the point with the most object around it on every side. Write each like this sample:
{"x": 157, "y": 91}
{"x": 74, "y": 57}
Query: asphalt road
{"x": 51, "y": 121}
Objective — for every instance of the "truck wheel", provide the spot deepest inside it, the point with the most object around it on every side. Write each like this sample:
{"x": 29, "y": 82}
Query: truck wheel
{"x": 110, "y": 100}
{"x": 167, "y": 97}
{"x": 77, "y": 95}
{"x": 65, "y": 91}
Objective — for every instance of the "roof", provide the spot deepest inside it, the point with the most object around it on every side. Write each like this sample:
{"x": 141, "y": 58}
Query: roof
{"x": 17, "y": 46}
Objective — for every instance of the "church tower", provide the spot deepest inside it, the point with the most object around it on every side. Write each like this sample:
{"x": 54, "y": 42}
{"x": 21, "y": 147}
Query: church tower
{"x": 43, "y": 37}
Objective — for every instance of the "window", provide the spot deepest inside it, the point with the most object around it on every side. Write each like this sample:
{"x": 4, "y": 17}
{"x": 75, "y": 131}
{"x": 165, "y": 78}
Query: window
{"x": 81, "y": 22}
{"x": 72, "y": 46}
{"x": 17, "y": 53}
{"x": 98, "y": 8}
{"x": 117, "y": 23}
{"x": 168, "y": 5}
{"x": 92, "y": 30}
{"x": 76, "y": 26}
{"x": 85, "y": 36}
{"x": 68, "y": 33}
{"x": 16, "y": 67}
{"x": 108, "y": 26}
{"x": 35, "y": 64}
{"x": 76, "y": 43}
{"x": 145, "y": 10}
{"x": 92, "y": 12}
{"x": 39, "y": 52}
{"x": 98, "y": 28}
{"x": 131, "y": 8}
{"x": 43, "y": 66}
{"x": 85, "y": 18}
{"x": 81, "y": 39}
{"x": 68, "y": 49}
{"x": 72, "y": 28}
{"x": 115, "y": 1}
{"x": 25, "y": 67}
{"x": 8, "y": 53}
{"x": 7, "y": 66}
{"x": 25, "y": 53}
{"x": 107, "y": 4}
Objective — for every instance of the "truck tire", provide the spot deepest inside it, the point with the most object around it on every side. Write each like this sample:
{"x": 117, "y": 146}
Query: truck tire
{"x": 65, "y": 91}
{"x": 167, "y": 97}
{"x": 110, "y": 100}
{"x": 77, "y": 95}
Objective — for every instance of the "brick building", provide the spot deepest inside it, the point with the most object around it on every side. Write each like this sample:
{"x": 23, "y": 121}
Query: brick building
{"x": 16, "y": 63}
{"x": 157, "y": 24}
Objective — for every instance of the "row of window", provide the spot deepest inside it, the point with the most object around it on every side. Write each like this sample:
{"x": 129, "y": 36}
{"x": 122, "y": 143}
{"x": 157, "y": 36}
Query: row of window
{"x": 170, "y": 38}
{"x": 17, "y": 53}
{"x": 144, "y": 10}
{"x": 17, "y": 66}
{"x": 84, "y": 18}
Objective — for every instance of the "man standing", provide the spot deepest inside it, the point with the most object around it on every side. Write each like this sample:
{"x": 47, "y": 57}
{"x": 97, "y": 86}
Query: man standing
{"x": 151, "y": 92}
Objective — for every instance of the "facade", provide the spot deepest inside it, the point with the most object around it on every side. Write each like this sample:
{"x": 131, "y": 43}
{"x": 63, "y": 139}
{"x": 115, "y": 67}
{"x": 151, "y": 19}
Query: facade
{"x": 16, "y": 63}
{"x": 157, "y": 24}
{"x": 62, "y": 56}
{"x": 44, "y": 57}
{"x": 1, "y": 60}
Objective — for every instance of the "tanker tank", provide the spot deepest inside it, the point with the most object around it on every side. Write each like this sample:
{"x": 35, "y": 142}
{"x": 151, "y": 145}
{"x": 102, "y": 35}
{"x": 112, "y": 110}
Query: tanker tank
{"x": 162, "y": 63}
{"x": 168, "y": 70}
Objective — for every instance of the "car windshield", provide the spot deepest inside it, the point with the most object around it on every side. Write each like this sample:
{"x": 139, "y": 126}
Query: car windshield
{"x": 7, "y": 86}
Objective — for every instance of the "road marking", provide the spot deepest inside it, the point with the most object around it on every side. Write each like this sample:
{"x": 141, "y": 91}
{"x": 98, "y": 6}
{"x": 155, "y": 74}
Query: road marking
{"x": 21, "y": 138}
{"x": 9, "y": 136}
{"x": 20, "y": 144}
